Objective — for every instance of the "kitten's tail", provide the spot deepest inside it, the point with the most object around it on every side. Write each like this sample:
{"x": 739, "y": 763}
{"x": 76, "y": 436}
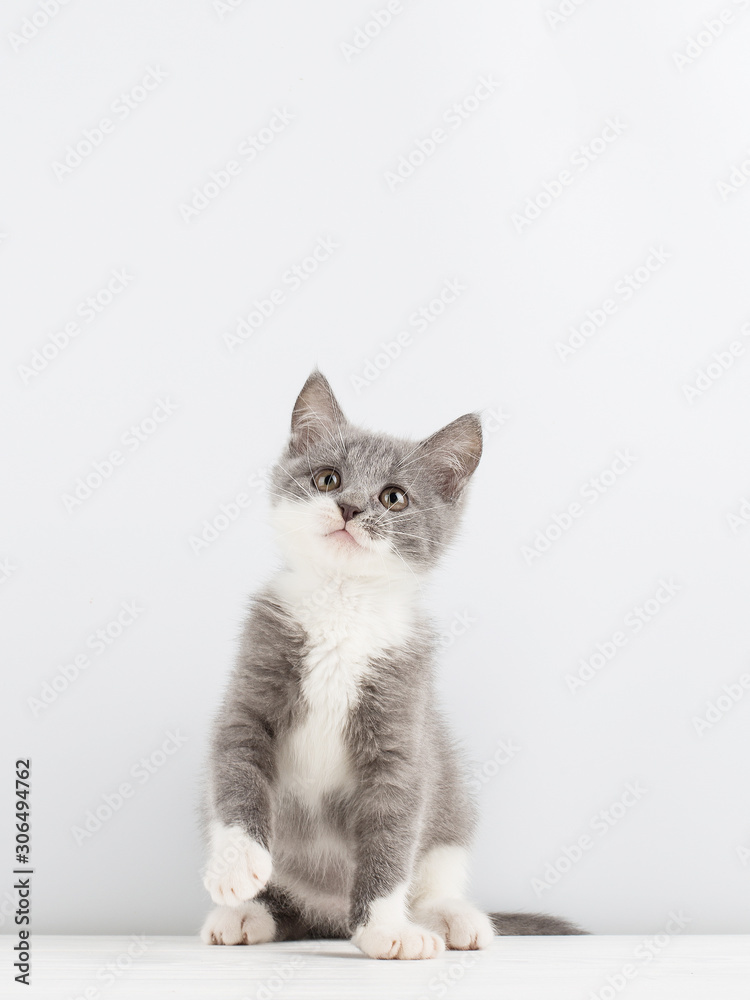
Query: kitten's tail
{"x": 515, "y": 924}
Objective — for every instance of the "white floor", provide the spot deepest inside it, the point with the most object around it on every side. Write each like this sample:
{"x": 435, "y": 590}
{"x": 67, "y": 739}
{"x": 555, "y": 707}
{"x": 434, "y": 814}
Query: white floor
{"x": 545, "y": 968}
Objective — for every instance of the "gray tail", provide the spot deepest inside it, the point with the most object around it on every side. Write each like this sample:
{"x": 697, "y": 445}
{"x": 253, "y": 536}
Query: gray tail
{"x": 516, "y": 924}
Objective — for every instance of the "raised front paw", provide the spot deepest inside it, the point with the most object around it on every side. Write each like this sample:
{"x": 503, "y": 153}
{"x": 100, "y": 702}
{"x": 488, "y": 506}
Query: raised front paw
{"x": 239, "y": 866}
{"x": 406, "y": 940}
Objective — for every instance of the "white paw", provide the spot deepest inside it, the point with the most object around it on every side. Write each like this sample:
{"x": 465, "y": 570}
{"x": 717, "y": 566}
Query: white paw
{"x": 249, "y": 923}
{"x": 239, "y": 867}
{"x": 405, "y": 940}
{"x": 463, "y": 927}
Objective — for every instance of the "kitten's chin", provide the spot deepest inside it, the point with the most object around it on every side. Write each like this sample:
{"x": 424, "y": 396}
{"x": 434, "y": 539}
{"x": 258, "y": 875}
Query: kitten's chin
{"x": 341, "y": 551}
{"x": 344, "y": 537}
{"x": 309, "y": 542}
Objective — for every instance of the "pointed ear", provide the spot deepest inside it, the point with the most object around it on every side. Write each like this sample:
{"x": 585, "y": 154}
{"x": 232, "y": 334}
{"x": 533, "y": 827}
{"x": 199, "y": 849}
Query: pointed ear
{"x": 316, "y": 414}
{"x": 452, "y": 454}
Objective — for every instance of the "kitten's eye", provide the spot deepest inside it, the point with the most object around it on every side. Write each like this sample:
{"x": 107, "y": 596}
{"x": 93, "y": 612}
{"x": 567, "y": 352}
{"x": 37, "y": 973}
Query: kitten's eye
{"x": 394, "y": 498}
{"x": 326, "y": 480}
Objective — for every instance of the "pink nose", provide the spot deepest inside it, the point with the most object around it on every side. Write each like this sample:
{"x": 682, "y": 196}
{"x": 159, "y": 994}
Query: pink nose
{"x": 348, "y": 511}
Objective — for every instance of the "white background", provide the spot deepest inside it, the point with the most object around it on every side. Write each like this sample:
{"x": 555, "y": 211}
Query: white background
{"x": 685, "y": 842}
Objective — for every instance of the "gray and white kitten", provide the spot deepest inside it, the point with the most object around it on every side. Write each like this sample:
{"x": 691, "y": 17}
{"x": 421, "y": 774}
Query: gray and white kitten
{"x": 336, "y": 805}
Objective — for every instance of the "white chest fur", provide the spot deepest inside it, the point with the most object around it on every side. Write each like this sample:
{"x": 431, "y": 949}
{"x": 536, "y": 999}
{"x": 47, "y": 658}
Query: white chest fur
{"x": 348, "y": 622}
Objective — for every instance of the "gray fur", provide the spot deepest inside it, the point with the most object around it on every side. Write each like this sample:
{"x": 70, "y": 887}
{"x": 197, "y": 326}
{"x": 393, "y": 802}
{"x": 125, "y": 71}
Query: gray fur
{"x": 409, "y": 794}
{"x": 521, "y": 924}
{"x": 436, "y": 471}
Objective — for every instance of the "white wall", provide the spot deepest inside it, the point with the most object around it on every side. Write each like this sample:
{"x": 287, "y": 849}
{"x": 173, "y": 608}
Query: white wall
{"x": 684, "y": 842}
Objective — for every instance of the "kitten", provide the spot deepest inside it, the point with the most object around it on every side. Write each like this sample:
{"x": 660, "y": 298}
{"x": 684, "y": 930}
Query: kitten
{"x": 335, "y": 803}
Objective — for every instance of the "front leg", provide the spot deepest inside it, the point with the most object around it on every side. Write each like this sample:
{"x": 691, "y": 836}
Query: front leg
{"x": 239, "y": 865}
{"x": 386, "y": 846}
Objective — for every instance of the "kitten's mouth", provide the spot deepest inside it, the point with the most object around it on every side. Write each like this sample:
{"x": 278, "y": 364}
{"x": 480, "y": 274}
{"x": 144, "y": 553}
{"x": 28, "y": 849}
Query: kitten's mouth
{"x": 344, "y": 536}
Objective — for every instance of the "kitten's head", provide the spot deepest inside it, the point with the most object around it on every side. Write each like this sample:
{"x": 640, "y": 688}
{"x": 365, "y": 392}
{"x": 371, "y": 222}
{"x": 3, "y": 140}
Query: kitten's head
{"x": 349, "y": 502}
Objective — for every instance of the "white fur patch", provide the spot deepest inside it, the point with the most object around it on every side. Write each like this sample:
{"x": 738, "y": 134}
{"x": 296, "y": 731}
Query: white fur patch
{"x": 437, "y": 900}
{"x": 354, "y": 601}
{"x": 348, "y": 621}
{"x": 238, "y": 867}
{"x": 441, "y": 873}
{"x": 462, "y": 926}
{"x": 388, "y": 932}
{"x": 303, "y": 533}
{"x": 248, "y": 923}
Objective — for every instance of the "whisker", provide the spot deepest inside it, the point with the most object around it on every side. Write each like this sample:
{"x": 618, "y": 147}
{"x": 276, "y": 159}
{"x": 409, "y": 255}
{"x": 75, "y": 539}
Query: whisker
{"x": 401, "y": 514}
{"x": 418, "y": 581}
{"x": 284, "y": 534}
{"x": 322, "y": 424}
{"x": 409, "y": 512}
{"x": 284, "y": 495}
{"x": 409, "y": 534}
{"x": 416, "y": 447}
{"x": 304, "y": 489}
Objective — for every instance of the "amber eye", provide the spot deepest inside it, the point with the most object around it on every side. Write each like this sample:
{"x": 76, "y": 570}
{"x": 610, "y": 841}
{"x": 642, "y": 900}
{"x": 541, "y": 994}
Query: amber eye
{"x": 326, "y": 480}
{"x": 394, "y": 498}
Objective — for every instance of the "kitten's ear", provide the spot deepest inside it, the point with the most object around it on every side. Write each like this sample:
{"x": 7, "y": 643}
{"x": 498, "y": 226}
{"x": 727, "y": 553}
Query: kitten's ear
{"x": 452, "y": 454}
{"x": 316, "y": 415}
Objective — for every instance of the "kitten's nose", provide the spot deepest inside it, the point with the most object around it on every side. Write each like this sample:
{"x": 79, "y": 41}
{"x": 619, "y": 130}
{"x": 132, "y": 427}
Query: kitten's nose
{"x": 348, "y": 511}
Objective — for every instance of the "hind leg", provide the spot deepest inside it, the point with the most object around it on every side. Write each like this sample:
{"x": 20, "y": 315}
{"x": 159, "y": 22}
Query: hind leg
{"x": 248, "y": 923}
{"x": 438, "y": 900}
{"x": 271, "y": 916}
{"x": 287, "y": 916}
